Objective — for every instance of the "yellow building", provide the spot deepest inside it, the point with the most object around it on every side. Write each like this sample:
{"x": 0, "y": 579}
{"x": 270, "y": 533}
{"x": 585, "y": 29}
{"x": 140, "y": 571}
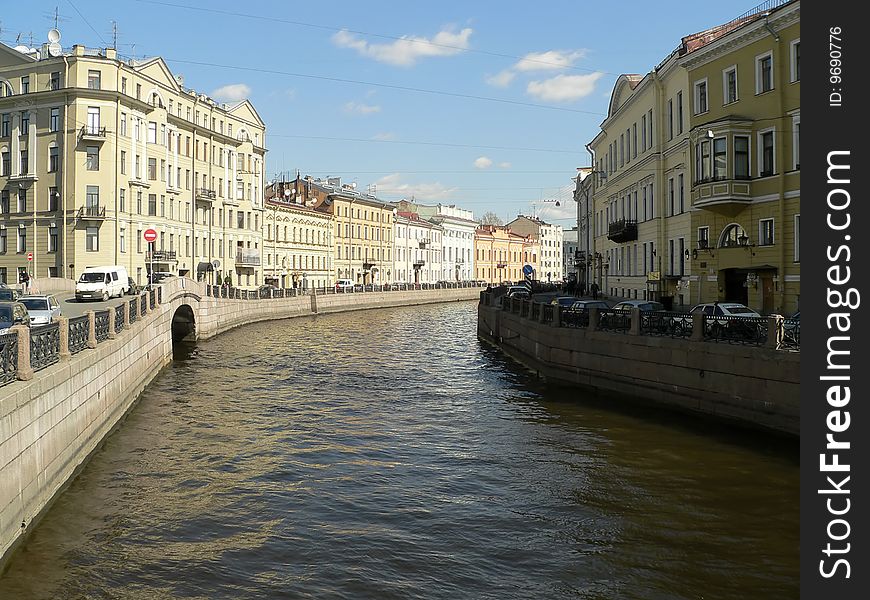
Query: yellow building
{"x": 95, "y": 150}
{"x": 363, "y": 234}
{"x": 298, "y": 240}
{"x": 500, "y": 254}
{"x": 745, "y": 132}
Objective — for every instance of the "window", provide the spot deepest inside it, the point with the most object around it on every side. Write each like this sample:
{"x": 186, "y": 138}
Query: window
{"x": 720, "y": 158}
{"x": 123, "y": 162}
{"x": 702, "y": 160}
{"x": 25, "y": 123}
{"x": 93, "y": 160}
{"x": 54, "y": 80}
{"x": 680, "y": 112}
{"x": 628, "y": 145}
{"x": 682, "y": 194}
{"x": 122, "y": 240}
{"x": 152, "y": 132}
{"x": 53, "y": 198}
{"x": 54, "y": 120}
{"x": 634, "y": 140}
{"x": 124, "y": 124}
{"x": 22, "y": 200}
{"x": 123, "y": 85}
{"x": 671, "y": 119}
{"x": 797, "y": 238}
{"x": 52, "y": 239}
{"x": 767, "y": 164}
{"x": 25, "y": 163}
{"x": 729, "y": 84}
{"x": 703, "y": 237}
{"x": 700, "y": 97}
{"x": 5, "y": 164}
{"x": 649, "y": 121}
{"x": 92, "y": 239}
{"x": 4, "y": 125}
{"x": 3, "y": 250}
{"x": 94, "y": 120}
{"x": 741, "y": 157}
{"x": 152, "y": 169}
{"x": 643, "y": 132}
{"x": 138, "y": 91}
{"x": 93, "y": 80}
{"x": 796, "y": 60}
{"x": 22, "y": 239}
{"x": 25, "y": 84}
{"x": 671, "y": 197}
{"x": 796, "y": 142}
{"x": 152, "y": 205}
{"x": 733, "y": 235}
{"x": 764, "y": 73}
{"x": 139, "y": 202}
{"x": 92, "y": 197}
{"x": 765, "y": 232}
{"x": 621, "y": 150}
{"x": 681, "y": 254}
{"x": 52, "y": 159}
{"x": 122, "y": 200}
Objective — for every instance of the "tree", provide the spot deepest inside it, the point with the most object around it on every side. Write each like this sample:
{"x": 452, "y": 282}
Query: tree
{"x": 490, "y": 218}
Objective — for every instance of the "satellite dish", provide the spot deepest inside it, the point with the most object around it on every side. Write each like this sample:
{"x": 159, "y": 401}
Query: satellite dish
{"x": 287, "y": 192}
{"x": 53, "y": 36}
{"x": 55, "y": 49}
{"x": 216, "y": 263}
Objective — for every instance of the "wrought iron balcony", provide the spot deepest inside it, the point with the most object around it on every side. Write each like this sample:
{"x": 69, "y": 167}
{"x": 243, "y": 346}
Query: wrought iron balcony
{"x": 419, "y": 264}
{"x": 205, "y": 194}
{"x": 424, "y": 244}
{"x": 92, "y": 211}
{"x": 248, "y": 257}
{"x": 93, "y": 133}
{"x": 622, "y": 231}
{"x": 161, "y": 256}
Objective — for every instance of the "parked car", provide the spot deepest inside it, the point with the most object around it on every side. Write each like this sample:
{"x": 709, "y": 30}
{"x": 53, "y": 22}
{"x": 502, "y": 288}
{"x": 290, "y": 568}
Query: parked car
{"x": 102, "y": 283}
{"x": 519, "y": 293}
{"x": 43, "y": 309}
{"x": 564, "y": 301}
{"x": 12, "y": 313}
{"x": 9, "y": 294}
{"x": 159, "y": 277}
{"x": 134, "y": 288}
{"x": 587, "y": 304}
{"x": 343, "y": 285}
{"x": 724, "y": 309}
{"x": 726, "y": 326}
{"x": 643, "y": 305}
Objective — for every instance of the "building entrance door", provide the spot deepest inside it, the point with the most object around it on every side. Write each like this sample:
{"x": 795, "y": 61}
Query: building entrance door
{"x": 735, "y": 286}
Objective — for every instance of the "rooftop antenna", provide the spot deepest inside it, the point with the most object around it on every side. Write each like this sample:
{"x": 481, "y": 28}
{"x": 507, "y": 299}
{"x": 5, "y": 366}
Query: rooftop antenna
{"x": 114, "y": 35}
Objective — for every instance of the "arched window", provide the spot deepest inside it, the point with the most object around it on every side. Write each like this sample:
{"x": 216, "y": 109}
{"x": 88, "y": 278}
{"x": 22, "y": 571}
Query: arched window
{"x": 733, "y": 235}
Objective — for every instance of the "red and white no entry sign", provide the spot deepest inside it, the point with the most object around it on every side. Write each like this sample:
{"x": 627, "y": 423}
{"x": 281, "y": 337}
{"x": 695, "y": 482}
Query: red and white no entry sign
{"x": 150, "y": 235}
{"x": 30, "y": 256}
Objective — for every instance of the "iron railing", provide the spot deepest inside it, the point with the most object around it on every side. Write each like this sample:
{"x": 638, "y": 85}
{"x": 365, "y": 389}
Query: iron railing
{"x": 134, "y": 303}
{"x": 575, "y": 317}
{"x": 750, "y": 331}
{"x": 78, "y": 334}
{"x": 101, "y": 325}
{"x": 8, "y": 358}
{"x": 152, "y": 299}
{"x": 791, "y": 334}
{"x": 44, "y": 346}
{"x": 614, "y": 320}
{"x": 143, "y": 304}
{"x": 548, "y": 312}
{"x": 535, "y": 311}
{"x": 666, "y": 323}
{"x": 119, "y": 318}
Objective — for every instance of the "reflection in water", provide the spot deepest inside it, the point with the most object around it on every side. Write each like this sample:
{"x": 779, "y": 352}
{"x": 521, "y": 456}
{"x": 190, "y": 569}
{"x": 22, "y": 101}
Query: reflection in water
{"x": 390, "y": 454}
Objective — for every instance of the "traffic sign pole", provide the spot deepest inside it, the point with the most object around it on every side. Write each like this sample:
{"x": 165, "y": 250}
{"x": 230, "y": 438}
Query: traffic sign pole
{"x": 150, "y": 236}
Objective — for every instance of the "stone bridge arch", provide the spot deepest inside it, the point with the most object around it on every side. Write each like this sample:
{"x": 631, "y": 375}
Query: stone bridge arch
{"x": 183, "y": 324}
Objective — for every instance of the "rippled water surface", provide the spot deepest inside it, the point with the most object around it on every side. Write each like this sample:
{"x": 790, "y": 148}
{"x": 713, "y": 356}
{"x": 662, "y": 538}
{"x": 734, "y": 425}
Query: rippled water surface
{"x": 390, "y": 454}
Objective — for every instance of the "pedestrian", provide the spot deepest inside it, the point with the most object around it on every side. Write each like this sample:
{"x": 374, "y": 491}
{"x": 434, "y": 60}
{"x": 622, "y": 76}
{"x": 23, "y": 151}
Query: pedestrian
{"x": 594, "y": 289}
{"x": 24, "y": 280}
{"x": 582, "y": 288}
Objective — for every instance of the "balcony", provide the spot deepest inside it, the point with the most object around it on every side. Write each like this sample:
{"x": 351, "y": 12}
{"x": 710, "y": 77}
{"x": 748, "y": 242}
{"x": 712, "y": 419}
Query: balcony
{"x": 94, "y": 212}
{"x": 418, "y": 264}
{"x": 91, "y": 133}
{"x": 424, "y": 244}
{"x": 206, "y": 195}
{"x": 161, "y": 256}
{"x": 247, "y": 257}
{"x": 725, "y": 196}
{"x": 622, "y": 231}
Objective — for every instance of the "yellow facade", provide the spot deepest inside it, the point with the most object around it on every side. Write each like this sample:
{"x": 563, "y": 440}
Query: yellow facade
{"x": 500, "y": 254}
{"x": 746, "y": 163}
{"x": 114, "y": 148}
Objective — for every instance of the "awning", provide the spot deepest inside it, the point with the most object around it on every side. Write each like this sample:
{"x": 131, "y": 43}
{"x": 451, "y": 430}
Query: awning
{"x": 745, "y": 270}
{"x": 204, "y": 267}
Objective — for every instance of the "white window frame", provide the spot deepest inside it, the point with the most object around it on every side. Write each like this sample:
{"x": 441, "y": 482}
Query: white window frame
{"x": 795, "y": 142}
{"x": 725, "y": 72}
{"x": 92, "y": 239}
{"x": 761, "y": 229}
{"x": 705, "y": 228}
{"x": 797, "y": 238}
{"x": 794, "y": 77}
{"x": 696, "y": 99}
{"x": 758, "y": 86}
{"x": 759, "y": 137}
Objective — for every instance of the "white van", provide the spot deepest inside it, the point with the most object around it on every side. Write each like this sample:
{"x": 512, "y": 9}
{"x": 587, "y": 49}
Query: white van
{"x": 102, "y": 283}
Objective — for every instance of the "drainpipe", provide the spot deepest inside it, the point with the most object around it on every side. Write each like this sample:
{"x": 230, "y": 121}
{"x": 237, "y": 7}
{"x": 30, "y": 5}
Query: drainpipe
{"x": 63, "y": 254}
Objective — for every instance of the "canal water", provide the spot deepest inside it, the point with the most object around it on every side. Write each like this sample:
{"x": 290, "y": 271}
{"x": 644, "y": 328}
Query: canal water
{"x": 390, "y": 454}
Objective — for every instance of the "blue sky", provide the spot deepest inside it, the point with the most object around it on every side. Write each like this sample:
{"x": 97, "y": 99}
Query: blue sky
{"x": 506, "y": 157}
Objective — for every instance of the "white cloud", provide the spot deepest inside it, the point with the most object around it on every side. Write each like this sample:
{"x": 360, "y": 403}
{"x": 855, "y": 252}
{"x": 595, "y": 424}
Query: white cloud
{"x": 234, "y": 92}
{"x": 551, "y": 60}
{"x": 357, "y": 108}
{"x": 384, "y": 136}
{"x": 563, "y": 88}
{"x": 504, "y": 165}
{"x": 482, "y": 162}
{"x": 392, "y": 184}
{"x": 502, "y": 79}
{"x": 406, "y": 51}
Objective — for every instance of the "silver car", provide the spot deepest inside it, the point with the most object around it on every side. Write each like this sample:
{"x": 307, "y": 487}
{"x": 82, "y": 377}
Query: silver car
{"x": 42, "y": 309}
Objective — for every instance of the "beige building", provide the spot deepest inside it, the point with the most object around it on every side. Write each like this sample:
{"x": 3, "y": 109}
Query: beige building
{"x": 298, "y": 243}
{"x": 95, "y": 150}
{"x": 500, "y": 254}
{"x": 549, "y": 237}
{"x": 363, "y": 234}
{"x": 745, "y": 140}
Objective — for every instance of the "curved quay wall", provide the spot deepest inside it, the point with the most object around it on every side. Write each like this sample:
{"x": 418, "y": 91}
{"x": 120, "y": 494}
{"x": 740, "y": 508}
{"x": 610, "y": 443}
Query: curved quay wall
{"x": 51, "y": 423}
{"x": 747, "y": 385}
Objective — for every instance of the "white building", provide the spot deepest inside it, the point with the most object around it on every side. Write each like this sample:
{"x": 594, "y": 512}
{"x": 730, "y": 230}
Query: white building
{"x": 417, "y": 251}
{"x": 570, "y": 245}
{"x": 549, "y": 267}
{"x": 457, "y": 263}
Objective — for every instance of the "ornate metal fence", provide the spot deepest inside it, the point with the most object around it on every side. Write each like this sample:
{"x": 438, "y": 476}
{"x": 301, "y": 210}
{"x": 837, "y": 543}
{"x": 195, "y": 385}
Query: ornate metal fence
{"x": 535, "y": 311}
{"x": 574, "y": 317}
{"x": 736, "y": 330}
{"x": 548, "y": 312}
{"x": 791, "y": 334}
{"x": 152, "y": 299}
{"x": 614, "y": 320}
{"x": 78, "y": 334}
{"x": 143, "y": 304}
{"x": 134, "y": 310}
{"x": 101, "y": 325}
{"x": 666, "y": 323}
{"x": 44, "y": 346}
{"x": 8, "y": 358}
{"x": 119, "y": 318}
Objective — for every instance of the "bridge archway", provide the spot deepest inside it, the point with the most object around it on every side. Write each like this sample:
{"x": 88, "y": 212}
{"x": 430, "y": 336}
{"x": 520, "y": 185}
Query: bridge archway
{"x": 183, "y": 324}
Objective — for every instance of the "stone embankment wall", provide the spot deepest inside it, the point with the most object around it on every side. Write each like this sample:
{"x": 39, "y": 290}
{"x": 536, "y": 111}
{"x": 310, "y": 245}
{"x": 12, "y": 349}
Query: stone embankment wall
{"x": 749, "y": 385}
{"x": 50, "y": 424}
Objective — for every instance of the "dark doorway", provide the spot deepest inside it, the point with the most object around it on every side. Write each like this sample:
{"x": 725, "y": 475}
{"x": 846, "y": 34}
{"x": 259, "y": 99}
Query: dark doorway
{"x": 183, "y": 325}
{"x": 735, "y": 286}
{"x": 766, "y": 282}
